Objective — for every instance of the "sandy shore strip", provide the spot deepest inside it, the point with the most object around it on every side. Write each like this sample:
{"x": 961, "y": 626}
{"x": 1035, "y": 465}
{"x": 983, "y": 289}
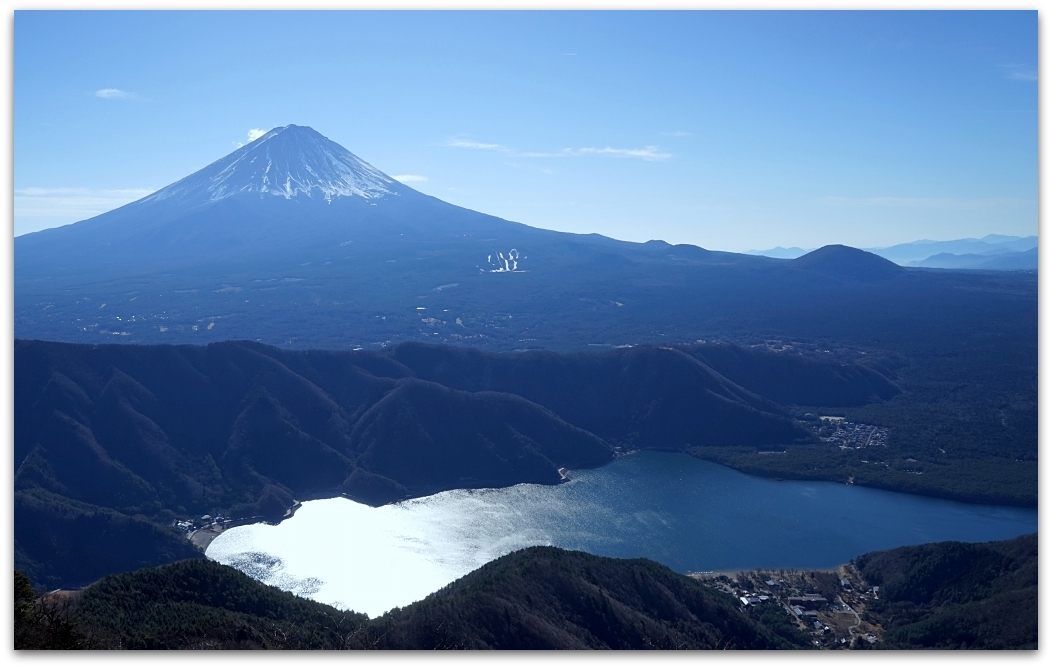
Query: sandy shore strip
{"x": 203, "y": 537}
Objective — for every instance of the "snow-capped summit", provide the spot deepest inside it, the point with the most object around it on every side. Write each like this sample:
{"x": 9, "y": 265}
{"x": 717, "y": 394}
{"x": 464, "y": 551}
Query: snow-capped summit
{"x": 291, "y": 193}
{"x": 290, "y": 161}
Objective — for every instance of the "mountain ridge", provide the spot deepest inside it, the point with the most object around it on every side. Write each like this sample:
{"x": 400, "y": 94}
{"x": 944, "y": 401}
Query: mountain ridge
{"x": 1003, "y": 261}
{"x": 947, "y": 595}
{"x": 536, "y": 598}
{"x": 347, "y": 271}
{"x": 919, "y": 253}
{"x": 132, "y": 437}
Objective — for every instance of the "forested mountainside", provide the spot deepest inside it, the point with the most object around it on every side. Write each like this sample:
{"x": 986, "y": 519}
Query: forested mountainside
{"x": 956, "y": 595}
{"x": 938, "y": 596}
{"x": 114, "y": 442}
{"x": 536, "y": 598}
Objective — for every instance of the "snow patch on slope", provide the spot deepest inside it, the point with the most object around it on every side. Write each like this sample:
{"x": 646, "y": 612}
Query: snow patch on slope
{"x": 504, "y": 264}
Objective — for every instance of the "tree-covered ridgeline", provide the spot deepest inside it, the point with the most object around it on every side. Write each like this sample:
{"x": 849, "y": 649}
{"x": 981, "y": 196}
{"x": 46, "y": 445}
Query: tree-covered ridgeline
{"x": 537, "y": 598}
{"x": 942, "y": 596}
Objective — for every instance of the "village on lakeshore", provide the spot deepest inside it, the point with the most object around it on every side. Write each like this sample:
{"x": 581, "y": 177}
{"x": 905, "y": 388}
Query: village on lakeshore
{"x": 849, "y": 435}
{"x": 830, "y": 605}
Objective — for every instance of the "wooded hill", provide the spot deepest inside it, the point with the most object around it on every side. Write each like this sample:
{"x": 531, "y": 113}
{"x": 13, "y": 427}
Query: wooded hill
{"x": 114, "y": 442}
{"x": 956, "y": 595}
{"x": 941, "y": 596}
{"x": 537, "y": 598}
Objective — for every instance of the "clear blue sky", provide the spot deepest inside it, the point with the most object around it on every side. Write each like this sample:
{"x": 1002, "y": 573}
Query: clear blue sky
{"x": 728, "y": 130}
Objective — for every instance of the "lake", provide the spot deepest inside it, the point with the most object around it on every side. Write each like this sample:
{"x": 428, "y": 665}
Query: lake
{"x": 688, "y": 514}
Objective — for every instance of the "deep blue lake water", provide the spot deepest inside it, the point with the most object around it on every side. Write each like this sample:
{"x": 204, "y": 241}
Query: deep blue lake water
{"x": 688, "y": 514}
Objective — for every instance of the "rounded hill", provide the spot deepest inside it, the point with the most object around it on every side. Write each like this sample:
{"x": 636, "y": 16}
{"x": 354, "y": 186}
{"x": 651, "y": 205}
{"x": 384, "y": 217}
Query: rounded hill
{"x": 848, "y": 263}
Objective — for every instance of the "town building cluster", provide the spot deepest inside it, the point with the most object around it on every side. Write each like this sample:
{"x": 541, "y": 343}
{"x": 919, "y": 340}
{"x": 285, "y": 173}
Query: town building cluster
{"x": 206, "y": 521}
{"x": 850, "y": 435}
{"x": 833, "y": 618}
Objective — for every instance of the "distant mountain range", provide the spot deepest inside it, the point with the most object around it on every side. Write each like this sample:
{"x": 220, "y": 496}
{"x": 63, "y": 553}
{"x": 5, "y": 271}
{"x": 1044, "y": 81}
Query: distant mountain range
{"x": 994, "y": 251}
{"x": 1008, "y": 260}
{"x": 781, "y": 253}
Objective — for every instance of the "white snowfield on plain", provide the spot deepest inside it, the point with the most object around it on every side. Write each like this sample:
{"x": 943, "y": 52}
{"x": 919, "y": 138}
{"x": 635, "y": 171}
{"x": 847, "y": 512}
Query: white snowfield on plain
{"x": 287, "y": 162}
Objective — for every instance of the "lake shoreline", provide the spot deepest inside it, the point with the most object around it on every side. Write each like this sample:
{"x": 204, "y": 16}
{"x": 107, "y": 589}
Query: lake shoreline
{"x": 202, "y": 538}
{"x": 698, "y": 518}
{"x": 779, "y": 476}
{"x": 719, "y": 455}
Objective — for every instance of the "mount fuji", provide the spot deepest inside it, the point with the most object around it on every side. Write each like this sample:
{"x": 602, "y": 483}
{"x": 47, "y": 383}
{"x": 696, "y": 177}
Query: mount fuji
{"x": 291, "y": 189}
{"x": 293, "y": 240}
{"x": 290, "y": 221}
{"x": 285, "y": 162}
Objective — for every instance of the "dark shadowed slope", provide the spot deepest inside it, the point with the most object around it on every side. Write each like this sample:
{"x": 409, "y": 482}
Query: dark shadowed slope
{"x": 537, "y": 598}
{"x": 407, "y": 435}
{"x": 547, "y": 598}
{"x": 129, "y": 438}
{"x": 794, "y": 379}
{"x": 200, "y": 604}
{"x": 940, "y": 595}
{"x": 956, "y": 595}
{"x": 645, "y": 396}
